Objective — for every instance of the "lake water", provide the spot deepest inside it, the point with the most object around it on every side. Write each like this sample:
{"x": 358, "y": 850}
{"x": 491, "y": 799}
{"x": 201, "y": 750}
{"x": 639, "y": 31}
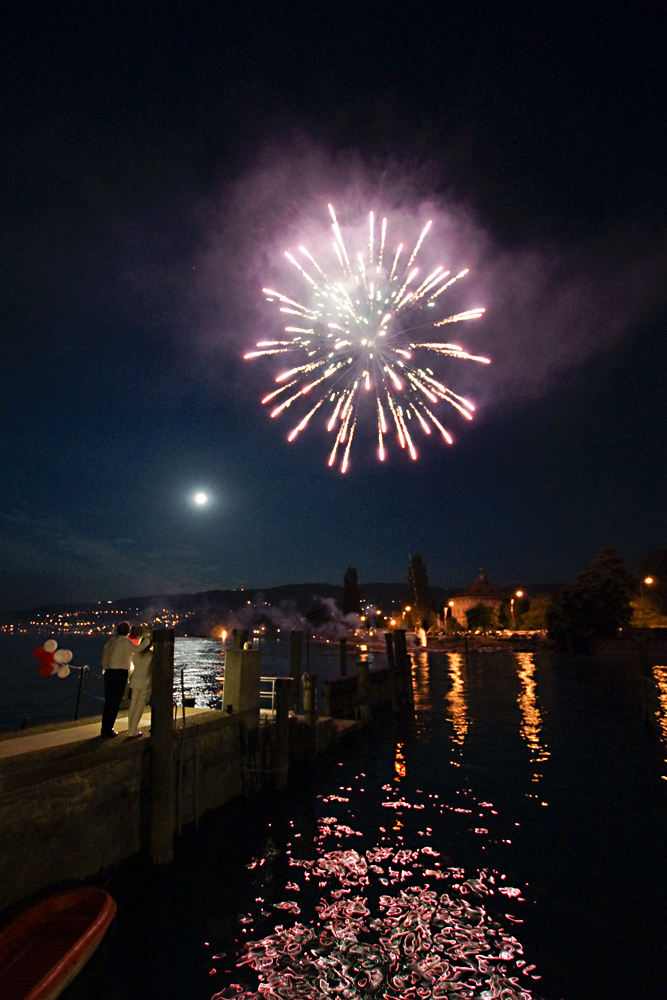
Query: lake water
{"x": 509, "y": 841}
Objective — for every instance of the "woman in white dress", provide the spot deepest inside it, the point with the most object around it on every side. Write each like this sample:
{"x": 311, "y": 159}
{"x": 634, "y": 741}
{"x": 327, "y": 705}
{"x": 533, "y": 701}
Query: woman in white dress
{"x": 140, "y": 684}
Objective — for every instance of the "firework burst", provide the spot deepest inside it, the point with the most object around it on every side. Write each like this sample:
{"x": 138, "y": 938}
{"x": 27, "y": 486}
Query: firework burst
{"x": 354, "y": 339}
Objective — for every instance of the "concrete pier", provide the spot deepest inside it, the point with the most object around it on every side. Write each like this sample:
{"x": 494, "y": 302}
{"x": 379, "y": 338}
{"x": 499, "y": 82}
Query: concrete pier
{"x": 73, "y": 804}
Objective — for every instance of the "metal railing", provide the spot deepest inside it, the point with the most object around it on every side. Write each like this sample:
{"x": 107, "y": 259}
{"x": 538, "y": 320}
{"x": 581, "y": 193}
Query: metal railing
{"x": 267, "y": 689}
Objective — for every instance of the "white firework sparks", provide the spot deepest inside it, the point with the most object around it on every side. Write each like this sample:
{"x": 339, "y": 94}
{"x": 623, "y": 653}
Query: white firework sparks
{"x": 351, "y": 337}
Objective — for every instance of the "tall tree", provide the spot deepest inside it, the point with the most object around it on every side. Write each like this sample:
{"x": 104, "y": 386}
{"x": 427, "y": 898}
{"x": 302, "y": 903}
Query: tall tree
{"x": 534, "y": 617}
{"x": 481, "y": 617}
{"x": 655, "y": 566}
{"x": 420, "y": 594}
{"x": 595, "y": 606}
{"x": 351, "y": 603}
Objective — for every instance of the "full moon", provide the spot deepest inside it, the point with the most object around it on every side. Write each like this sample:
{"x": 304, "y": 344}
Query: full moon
{"x": 200, "y": 499}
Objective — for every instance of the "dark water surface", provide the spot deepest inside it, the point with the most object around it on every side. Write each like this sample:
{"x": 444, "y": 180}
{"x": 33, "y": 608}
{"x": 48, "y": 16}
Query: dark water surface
{"x": 509, "y": 840}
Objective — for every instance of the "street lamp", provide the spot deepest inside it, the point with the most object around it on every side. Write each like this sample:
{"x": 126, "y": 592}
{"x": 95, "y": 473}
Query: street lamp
{"x": 519, "y": 593}
{"x": 648, "y": 581}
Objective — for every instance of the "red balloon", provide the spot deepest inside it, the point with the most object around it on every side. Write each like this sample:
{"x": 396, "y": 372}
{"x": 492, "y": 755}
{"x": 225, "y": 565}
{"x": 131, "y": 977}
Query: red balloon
{"x": 48, "y": 664}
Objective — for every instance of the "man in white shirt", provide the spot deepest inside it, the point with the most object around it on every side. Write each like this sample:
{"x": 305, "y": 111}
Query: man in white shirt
{"x": 116, "y": 662}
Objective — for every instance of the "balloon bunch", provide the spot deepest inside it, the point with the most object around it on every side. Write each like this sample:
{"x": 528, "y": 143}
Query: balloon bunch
{"x": 52, "y": 659}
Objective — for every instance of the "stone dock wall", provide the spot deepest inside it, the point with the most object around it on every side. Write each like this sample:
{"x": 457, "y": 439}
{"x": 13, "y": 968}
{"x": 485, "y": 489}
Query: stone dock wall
{"x": 69, "y": 812}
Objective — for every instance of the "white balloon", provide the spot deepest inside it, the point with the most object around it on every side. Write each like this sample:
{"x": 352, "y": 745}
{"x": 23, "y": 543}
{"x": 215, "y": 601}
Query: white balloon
{"x": 62, "y": 655}
{"x": 62, "y": 671}
{"x": 50, "y": 645}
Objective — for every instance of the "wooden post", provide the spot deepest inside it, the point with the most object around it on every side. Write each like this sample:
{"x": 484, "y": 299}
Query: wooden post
{"x": 394, "y": 680}
{"x": 646, "y": 686}
{"x": 295, "y": 664}
{"x": 364, "y": 692}
{"x": 309, "y": 699}
{"x": 343, "y": 657}
{"x": 239, "y": 638}
{"x": 283, "y": 700}
{"x": 162, "y": 749}
{"x": 404, "y": 664}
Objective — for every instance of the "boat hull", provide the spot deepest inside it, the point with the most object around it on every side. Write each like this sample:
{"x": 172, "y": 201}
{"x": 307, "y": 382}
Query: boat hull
{"x": 45, "y": 947}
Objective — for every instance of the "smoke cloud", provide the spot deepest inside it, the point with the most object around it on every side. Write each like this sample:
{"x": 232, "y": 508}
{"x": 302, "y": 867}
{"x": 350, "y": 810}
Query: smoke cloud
{"x": 548, "y": 307}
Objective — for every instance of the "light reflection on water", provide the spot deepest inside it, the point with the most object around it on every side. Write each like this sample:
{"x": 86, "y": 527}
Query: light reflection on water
{"x": 202, "y": 663}
{"x": 660, "y": 674}
{"x": 368, "y": 910}
{"x": 531, "y": 723}
{"x": 379, "y": 861}
{"x": 457, "y": 706}
{"x": 421, "y": 676}
{"x": 392, "y": 920}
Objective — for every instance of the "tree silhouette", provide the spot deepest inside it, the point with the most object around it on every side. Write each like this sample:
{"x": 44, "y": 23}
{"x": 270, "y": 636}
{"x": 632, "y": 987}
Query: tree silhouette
{"x": 481, "y": 617}
{"x": 420, "y": 594}
{"x": 595, "y": 606}
{"x": 351, "y": 603}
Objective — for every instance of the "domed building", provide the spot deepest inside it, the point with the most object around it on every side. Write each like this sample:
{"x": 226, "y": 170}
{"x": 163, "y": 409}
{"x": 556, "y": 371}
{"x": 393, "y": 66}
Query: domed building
{"x": 480, "y": 591}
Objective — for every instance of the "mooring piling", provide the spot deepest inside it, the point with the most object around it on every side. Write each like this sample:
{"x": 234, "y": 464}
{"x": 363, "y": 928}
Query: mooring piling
{"x": 364, "y": 692}
{"x": 295, "y": 668}
{"x": 343, "y": 657}
{"x": 283, "y": 699}
{"x": 394, "y": 679}
{"x": 309, "y": 698}
{"x": 162, "y": 749}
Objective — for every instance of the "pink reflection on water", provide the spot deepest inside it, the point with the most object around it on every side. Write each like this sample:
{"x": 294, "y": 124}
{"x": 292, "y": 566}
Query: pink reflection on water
{"x": 415, "y": 942}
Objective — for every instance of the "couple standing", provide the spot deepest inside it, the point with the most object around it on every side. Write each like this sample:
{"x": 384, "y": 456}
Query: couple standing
{"x": 119, "y": 656}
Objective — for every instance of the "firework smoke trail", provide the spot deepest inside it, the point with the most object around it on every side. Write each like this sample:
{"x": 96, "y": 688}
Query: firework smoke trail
{"x": 350, "y": 338}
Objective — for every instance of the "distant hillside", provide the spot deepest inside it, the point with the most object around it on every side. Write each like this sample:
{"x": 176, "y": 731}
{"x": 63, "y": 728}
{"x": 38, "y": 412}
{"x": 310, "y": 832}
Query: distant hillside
{"x": 201, "y": 612}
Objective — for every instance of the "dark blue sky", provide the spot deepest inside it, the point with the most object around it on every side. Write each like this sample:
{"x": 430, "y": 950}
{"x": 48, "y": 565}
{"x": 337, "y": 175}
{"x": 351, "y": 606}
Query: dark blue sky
{"x": 157, "y": 162}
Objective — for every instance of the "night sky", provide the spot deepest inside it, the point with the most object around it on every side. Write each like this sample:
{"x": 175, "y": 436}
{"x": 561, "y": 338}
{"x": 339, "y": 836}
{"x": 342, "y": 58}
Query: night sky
{"x": 158, "y": 159}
